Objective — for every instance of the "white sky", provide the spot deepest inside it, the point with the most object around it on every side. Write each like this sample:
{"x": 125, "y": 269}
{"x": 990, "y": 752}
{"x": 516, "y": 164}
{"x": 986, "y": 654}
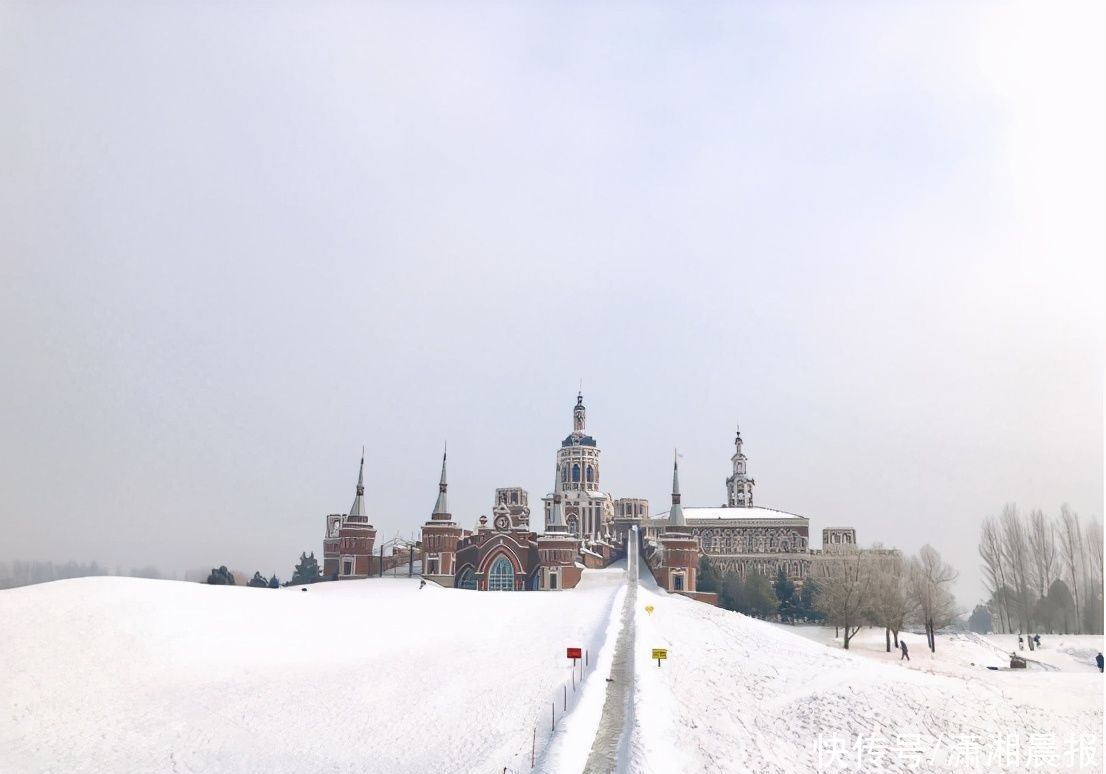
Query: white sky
{"x": 237, "y": 242}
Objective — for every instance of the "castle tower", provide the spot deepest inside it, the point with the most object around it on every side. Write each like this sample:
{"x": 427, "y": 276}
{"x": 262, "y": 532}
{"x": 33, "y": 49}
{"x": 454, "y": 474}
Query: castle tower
{"x": 679, "y": 566}
{"x": 557, "y": 549}
{"x": 739, "y": 487}
{"x": 348, "y": 542}
{"x": 440, "y": 537}
{"x": 587, "y": 510}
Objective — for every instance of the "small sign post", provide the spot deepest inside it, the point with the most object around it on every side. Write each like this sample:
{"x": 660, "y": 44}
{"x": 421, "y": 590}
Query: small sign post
{"x": 574, "y": 654}
{"x": 649, "y": 609}
{"x": 660, "y": 654}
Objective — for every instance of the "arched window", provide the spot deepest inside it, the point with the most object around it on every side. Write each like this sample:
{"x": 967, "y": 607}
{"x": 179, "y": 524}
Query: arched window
{"x": 575, "y": 473}
{"x": 564, "y": 474}
{"x": 466, "y": 580}
{"x": 501, "y": 576}
{"x": 590, "y": 474}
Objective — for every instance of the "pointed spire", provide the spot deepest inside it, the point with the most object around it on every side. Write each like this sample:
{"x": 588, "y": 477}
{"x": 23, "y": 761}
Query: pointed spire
{"x": 440, "y": 506}
{"x": 358, "y": 507}
{"x": 556, "y": 514}
{"x": 676, "y": 514}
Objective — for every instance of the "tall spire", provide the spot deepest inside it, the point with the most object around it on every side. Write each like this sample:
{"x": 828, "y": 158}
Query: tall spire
{"x": 556, "y": 515}
{"x": 440, "y": 506}
{"x": 358, "y": 507}
{"x": 676, "y": 514}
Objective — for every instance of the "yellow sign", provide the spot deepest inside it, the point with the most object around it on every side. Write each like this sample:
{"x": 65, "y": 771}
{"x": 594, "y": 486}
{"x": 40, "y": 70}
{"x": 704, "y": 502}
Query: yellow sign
{"x": 659, "y": 653}
{"x": 649, "y": 609}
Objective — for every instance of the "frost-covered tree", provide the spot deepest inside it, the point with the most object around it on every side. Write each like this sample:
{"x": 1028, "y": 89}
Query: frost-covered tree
{"x": 844, "y": 579}
{"x": 257, "y": 582}
{"x": 931, "y": 579}
{"x": 274, "y": 582}
{"x": 892, "y": 603}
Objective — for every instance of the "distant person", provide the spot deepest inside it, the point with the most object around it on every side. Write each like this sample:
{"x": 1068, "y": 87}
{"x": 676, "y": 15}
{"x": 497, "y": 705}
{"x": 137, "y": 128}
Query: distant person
{"x": 905, "y": 652}
{"x": 1037, "y": 640}
{"x": 422, "y": 583}
{"x": 1021, "y": 643}
{"x": 1098, "y": 660}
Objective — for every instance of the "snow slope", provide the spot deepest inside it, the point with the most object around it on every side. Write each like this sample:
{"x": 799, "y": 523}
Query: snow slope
{"x": 128, "y": 675}
{"x": 738, "y": 694}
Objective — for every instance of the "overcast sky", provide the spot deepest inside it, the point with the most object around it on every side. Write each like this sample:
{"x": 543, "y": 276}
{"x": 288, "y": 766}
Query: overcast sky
{"x": 238, "y": 241}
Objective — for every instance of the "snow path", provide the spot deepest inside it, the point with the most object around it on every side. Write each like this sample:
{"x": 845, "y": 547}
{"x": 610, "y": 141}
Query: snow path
{"x": 611, "y": 737}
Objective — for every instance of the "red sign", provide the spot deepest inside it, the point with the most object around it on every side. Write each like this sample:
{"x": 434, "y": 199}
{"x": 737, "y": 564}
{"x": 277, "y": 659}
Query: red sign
{"x": 575, "y": 653}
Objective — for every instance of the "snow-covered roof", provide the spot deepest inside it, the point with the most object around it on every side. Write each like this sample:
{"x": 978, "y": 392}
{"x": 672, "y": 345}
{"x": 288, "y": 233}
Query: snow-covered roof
{"x": 719, "y": 514}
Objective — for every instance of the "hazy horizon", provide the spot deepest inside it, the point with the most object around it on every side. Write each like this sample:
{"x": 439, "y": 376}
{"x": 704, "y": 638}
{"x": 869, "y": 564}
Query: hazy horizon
{"x": 238, "y": 243}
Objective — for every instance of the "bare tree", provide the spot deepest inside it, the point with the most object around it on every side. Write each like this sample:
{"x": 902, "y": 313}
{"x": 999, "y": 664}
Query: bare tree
{"x": 1092, "y": 593}
{"x": 1071, "y": 556}
{"x": 1042, "y": 547}
{"x": 931, "y": 578}
{"x": 843, "y": 577}
{"x": 892, "y": 604}
{"x": 994, "y": 569}
{"x": 1015, "y": 554}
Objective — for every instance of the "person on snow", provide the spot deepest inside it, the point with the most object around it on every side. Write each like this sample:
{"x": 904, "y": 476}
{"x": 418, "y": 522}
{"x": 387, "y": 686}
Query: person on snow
{"x": 1098, "y": 660}
{"x": 422, "y": 583}
{"x": 905, "y": 653}
{"x": 1037, "y": 640}
{"x": 1021, "y": 643}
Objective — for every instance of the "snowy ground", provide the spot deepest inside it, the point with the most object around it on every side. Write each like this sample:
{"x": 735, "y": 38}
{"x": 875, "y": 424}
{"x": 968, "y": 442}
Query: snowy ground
{"x": 126, "y": 675}
{"x": 738, "y": 694}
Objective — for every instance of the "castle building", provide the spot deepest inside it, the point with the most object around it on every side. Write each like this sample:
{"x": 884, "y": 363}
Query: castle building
{"x": 588, "y": 512}
{"x": 558, "y": 550}
{"x": 676, "y": 565}
{"x": 741, "y": 538}
{"x": 440, "y": 538}
{"x": 348, "y": 541}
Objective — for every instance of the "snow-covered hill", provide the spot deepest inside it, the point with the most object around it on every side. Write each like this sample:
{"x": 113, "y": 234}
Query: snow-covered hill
{"x": 125, "y": 675}
{"x": 739, "y": 694}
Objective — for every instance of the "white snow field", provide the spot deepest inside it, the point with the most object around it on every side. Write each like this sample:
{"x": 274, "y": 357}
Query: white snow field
{"x": 117, "y": 675}
{"x": 739, "y": 694}
{"x": 124, "y": 675}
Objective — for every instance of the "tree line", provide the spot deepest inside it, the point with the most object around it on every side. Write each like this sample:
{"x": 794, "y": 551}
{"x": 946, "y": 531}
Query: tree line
{"x": 1042, "y": 573}
{"x": 848, "y": 587}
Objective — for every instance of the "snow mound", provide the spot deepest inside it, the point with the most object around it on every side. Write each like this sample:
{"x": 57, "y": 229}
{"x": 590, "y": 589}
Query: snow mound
{"x": 739, "y": 694}
{"x": 128, "y": 675}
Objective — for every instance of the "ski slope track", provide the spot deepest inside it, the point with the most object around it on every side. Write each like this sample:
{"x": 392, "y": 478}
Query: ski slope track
{"x": 128, "y": 675}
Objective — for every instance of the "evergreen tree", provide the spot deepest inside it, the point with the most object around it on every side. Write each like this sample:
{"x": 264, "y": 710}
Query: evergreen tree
{"x": 708, "y": 579}
{"x": 807, "y": 604}
{"x": 785, "y": 595}
{"x": 307, "y": 571}
{"x": 274, "y": 582}
{"x": 760, "y": 599}
{"x": 732, "y": 596}
{"x": 257, "y": 582}
{"x": 980, "y": 621}
{"x": 221, "y": 577}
